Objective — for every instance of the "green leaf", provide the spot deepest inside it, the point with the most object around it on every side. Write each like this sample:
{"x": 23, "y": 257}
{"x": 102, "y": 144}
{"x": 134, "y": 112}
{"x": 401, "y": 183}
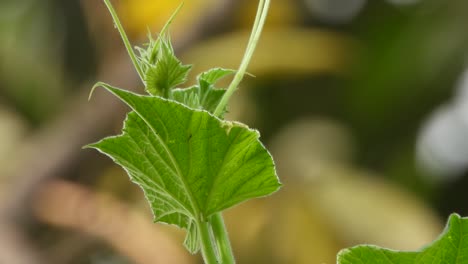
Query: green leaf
{"x": 204, "y": 95}
{"x": 212, "y": 76}
{"x": 189, "y": 163}
{"x": 163, "y": 71}
{"x": 188, "y": 96}
{"x": 193, "y": 98}
{"x": 209, "y": 95}
{"x": 451, "y": 248}
{"x": 211, "y": 98}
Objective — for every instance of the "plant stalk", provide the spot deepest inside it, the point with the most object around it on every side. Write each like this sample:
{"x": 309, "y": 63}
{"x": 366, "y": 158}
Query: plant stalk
{"x": 222, "y": 239}
{"x": 260, "y": 19}
{"x": 206, "y": 241}
{"x": 217, "y": 223}
{"x": 125, "y": 40}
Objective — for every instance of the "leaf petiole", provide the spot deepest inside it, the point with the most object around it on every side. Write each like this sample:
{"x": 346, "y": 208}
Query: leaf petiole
{"x": 125, "y": 40}
{"x": 219, "y": 229}
{"x": 222, "y": 239}
{"x": 207, "y": 247}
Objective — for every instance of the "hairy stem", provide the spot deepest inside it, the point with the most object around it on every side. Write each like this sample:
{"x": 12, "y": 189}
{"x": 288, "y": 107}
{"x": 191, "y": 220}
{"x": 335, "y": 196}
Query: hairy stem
{"x": 260, "y": 19}
{"x": 222, "y": 239}
{"x": 219, "y": 230}
{"x": 206, "y": 241}
{"x": 125, "y": 40}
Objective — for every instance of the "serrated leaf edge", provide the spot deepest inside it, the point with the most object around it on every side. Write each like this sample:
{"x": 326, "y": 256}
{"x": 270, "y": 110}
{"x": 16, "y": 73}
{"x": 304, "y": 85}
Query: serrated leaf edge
{"x": 223, "y": 123}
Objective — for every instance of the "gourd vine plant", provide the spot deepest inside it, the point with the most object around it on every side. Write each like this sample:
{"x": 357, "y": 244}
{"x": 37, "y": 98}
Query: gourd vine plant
{"x": 192, "y": 164}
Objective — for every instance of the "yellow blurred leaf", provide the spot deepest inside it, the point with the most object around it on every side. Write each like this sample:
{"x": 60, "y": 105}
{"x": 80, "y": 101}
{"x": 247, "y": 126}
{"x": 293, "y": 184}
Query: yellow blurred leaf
{"x": 286, "y": 51}
{"x": 359, "y": 206}
{"x": 364, "y": 208}
{"x": 139, "y": 15}
{"x": 282, "y": 13}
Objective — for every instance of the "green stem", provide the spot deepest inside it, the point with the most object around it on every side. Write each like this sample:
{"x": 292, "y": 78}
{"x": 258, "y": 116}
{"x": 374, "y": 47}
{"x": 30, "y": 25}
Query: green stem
{"x": 217, "y": 224}
{"x": 125, "y": 40}
{"x": 169, "y": 22}
{"x": 260, "y": 8}
{"x": 207, "y": 246}
{"x": 260, "y": 19}
{"x": 222, "y": 239}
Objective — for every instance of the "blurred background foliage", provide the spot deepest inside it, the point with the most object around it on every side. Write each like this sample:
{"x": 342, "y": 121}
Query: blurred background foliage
{"x": 363, "y": 104}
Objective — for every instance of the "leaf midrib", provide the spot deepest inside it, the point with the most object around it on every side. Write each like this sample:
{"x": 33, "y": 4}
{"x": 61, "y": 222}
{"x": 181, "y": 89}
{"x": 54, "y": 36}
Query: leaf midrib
{"x": 170, "y": 154}
{"x": 173, "y": 160}
{"x": 141, "y": 182}
{"x": 215, "y": 180}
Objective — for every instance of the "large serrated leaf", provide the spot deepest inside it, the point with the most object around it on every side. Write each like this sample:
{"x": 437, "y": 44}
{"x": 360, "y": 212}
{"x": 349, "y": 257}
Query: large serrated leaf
{"x": 450, "y": 248}
{"x": 189, "y": 163}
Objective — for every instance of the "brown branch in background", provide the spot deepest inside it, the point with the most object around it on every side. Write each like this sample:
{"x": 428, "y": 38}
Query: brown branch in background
{"x": 69, "y": 205}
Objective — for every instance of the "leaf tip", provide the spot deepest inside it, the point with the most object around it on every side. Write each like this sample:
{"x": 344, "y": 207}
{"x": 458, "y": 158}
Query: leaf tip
{"x": 453, "y": 220}
{"x": 98, "y": 84}
{"x": 250, "y": 74}
{"x": 90, "y": 146}
{"x": 171, "y": 19}
{"x": 454, "y": 216}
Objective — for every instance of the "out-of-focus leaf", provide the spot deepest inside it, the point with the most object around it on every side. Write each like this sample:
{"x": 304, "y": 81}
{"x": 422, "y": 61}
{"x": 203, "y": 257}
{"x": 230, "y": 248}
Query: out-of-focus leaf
{"x": 280, "y": 51}
{"x": 12, "y": 129}
{"x": 393, "y": 217}
{"x": 299, "y": 233}
{"x": 29, "y": 66}
{"x": 451, "y": 247}
{"x": 409, "y": 57}
{"x": 344, "y": 194}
